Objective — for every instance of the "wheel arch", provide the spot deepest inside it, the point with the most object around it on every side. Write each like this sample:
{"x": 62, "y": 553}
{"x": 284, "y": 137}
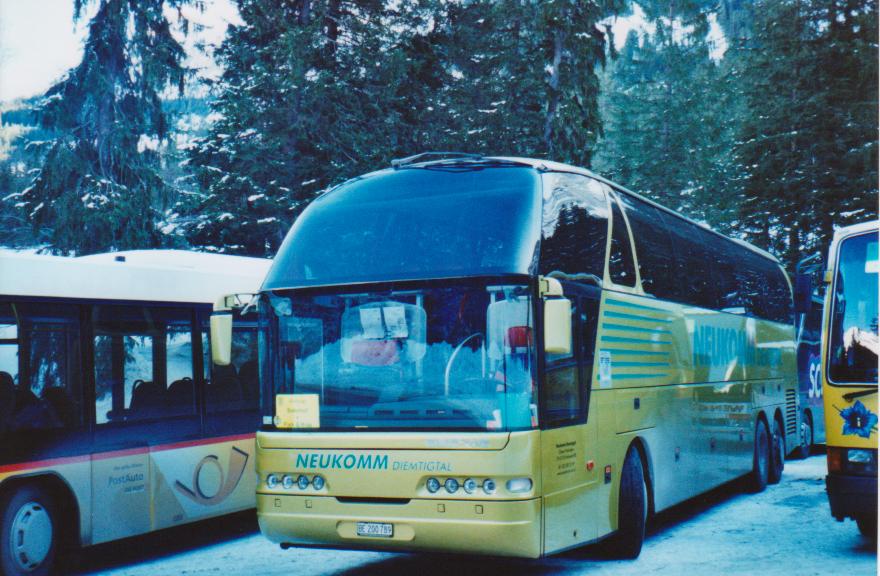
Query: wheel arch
{"x": 64, "y": 498}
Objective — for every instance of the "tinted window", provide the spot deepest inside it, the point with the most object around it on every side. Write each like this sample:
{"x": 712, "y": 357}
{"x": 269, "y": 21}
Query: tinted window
{"x": 653, "y": 248}
{"x": 40, "y": 384}
{"x": 620, "y": 260}
{"x": 574, "y": 228}
{"x": 415, "y": 223}
{"x": 852, "y": 355}
{"x": 235, "y": 387}
{"x": 143, "y": 363}
{"x": 691, "y": 263}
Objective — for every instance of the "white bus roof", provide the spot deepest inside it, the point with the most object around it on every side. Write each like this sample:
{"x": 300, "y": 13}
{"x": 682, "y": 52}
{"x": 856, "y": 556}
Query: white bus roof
{"x": 138, "y": 275}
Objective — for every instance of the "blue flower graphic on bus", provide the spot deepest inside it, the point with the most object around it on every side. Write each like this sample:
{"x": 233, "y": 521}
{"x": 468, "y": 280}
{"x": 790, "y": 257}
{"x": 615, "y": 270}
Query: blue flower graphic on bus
{"x": 857, "y": 419}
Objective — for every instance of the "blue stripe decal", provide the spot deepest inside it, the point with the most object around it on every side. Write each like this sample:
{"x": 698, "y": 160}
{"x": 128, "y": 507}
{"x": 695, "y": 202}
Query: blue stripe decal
{"x": 612, "y": 314}
{"x": 640, "y": 364}
{"x": 608, "y": 326}
{"x": 631, "y": 376}
{"x": 634, "y": 340}
{"x": 635, "y": 352}
{"x": 636, "y": 306}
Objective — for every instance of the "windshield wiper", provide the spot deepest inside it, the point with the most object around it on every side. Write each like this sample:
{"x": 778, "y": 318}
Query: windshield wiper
{"x": 849, "y": 397}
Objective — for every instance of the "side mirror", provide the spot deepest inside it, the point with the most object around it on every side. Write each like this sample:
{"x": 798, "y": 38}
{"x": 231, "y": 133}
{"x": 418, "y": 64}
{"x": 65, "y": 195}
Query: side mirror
{"x": 557, "y": 326}
{"x": 221, "y": 334}
{"x": 803, "y": 293}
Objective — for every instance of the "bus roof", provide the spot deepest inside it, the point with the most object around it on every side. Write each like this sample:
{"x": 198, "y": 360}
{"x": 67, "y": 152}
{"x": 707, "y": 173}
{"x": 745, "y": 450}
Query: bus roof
{"x": 549, "y": 165}
{"x": 139, "y": 275}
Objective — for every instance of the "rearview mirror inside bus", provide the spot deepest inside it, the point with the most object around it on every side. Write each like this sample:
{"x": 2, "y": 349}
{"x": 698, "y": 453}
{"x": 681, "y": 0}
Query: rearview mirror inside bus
{"x": 221, "y": 337}
{"x": 557, "y": 326}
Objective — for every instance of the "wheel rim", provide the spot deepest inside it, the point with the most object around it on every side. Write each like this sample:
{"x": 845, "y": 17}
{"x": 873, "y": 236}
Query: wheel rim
{"x": 31, "y": 536}
{"x": 806, "y": 435}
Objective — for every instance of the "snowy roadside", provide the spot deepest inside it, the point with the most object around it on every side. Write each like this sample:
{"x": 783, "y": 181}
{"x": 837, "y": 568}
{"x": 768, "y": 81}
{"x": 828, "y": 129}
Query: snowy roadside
{"x": 785, "y": 530}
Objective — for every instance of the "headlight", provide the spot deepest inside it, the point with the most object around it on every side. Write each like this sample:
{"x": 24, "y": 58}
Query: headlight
{"x": 287, "y": 482}
{"x": 318, "y": 482}
{"x": 302, "y": 481}
{"x": 272, "y": 481}
{"x": 519, "y": 485}
{"x": 432, "y": 485}
{"x": 489, "y": 486}
{"x": 451, "y": 485}
{"x": 470, "y": 485}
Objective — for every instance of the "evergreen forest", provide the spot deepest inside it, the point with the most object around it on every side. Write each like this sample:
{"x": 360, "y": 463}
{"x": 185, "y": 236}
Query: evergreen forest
{"x": 756, "y": 117}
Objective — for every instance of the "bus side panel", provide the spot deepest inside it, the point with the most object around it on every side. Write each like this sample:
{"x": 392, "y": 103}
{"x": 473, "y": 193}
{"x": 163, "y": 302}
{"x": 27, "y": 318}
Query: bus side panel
{"x": 570, "y": 495}
{"x": 120, "y": 494}
{"x": 208, "y": 478}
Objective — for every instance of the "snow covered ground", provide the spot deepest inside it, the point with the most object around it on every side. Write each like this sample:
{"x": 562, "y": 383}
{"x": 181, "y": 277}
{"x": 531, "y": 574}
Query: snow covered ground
{"x": 785, "y": 530}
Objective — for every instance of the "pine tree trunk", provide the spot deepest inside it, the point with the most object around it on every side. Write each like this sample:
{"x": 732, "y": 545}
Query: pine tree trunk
{"x": 553, "y": 103}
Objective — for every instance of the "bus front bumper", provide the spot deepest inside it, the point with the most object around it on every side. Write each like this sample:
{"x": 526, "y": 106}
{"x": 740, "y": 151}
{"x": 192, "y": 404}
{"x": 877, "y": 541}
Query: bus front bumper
{"x": 498, "y": 528}
{"x": 851, "y": 496}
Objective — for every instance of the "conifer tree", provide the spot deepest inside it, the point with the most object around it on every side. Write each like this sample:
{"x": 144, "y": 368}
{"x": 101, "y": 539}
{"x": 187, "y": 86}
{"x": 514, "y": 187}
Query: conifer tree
{"x": 99, "y": 185}
{"x": 808, "y": 142}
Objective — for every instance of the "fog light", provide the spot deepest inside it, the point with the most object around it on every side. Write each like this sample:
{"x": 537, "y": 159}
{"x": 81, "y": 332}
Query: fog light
{"x": 432, "y": 485}
{"x": 519, "y": 485}
{"x": 272, "y": 481}
{"x": 859, "y": 456}
{"x": 318, "y": 482}
{"x": 302, "y": 482}
{"x": 287, "y": 482}
{"x": 489, "y": 486}
{"x": 470, "y": 485}
{"x": 451, "y": 485}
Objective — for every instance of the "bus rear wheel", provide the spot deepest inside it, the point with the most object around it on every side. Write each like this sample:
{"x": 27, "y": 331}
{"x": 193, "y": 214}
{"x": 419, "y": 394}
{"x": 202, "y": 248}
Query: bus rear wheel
{"x": 777, "y": 453}
{"x": 868, "y": 525}
{"x": 757, "y": 479}
{"x": 632, "y": 508}
{"x": 28, "y": 537}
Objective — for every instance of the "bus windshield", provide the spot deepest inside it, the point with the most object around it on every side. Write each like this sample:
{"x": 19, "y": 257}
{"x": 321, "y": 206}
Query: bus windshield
{"x": 417, "y": 223}
{"x": 454, "y": 356}
{"x": 854, "y": 342}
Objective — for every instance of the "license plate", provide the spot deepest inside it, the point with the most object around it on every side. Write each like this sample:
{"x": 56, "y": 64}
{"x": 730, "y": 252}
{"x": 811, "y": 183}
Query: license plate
{"x": 375, "y": 529}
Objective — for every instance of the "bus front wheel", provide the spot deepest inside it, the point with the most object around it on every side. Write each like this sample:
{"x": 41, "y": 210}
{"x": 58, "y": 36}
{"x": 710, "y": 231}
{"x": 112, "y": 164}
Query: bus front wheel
{"x": 632, "y": 508}
{"x": 761, "y": 459}
{"x": 28, "y": 539}
{"x": 868, "y": 526}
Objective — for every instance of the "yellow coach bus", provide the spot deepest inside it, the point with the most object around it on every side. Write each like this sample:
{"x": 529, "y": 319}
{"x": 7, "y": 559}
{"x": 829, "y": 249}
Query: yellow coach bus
{"x": 112, "y": 422}
{"x": 850, "y": 350}
{"x": 511, "y": 357}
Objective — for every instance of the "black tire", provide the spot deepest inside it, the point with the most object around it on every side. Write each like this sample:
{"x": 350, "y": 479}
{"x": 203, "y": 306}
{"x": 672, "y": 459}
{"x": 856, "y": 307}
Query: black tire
{"x": 807, "y": 435}
{"x": 777, "y": 453}
{"x": 28, "y": 532}
{"x": 868, "y": 525}
{"x": 757, "y": 479}
{"x": 632, "y": 508}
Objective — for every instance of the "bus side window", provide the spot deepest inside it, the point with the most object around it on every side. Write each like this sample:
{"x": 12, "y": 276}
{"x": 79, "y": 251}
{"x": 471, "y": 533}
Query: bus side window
{"x": 40, "y": 385}
{"x": 620, "y": 260}
{"x": 574, "y": 226}
{"x": 563, "y": 391}
{"x": 653, "y": 248}
{"x": 143, "y": 363}
{"x": 235, "y": 387}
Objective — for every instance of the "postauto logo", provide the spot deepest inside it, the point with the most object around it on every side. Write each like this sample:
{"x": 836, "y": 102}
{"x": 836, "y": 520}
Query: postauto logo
{"x": 342, "y": 461}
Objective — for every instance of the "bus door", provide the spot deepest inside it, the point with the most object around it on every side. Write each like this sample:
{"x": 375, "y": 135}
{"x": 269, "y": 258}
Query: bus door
{"x": 569, "y": 439}
{"x": 145, "y": 409}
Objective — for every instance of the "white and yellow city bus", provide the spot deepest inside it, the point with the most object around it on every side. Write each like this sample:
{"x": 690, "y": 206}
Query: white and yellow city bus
{"x": 511, "y": 357}
{"x": 850, "y": 350}
{"x": 112, "y": 422}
